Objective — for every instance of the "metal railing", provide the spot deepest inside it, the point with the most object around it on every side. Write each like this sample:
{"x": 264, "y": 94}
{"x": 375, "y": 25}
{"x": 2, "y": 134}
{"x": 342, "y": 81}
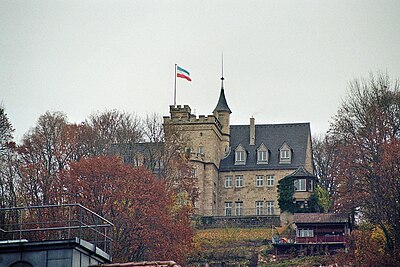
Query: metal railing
{"x": 56, "y": 222}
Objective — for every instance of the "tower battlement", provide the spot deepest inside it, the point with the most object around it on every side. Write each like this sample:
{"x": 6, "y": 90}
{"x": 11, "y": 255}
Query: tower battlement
{"x": 179, "y": 114}
{"x": 179, "y": 108}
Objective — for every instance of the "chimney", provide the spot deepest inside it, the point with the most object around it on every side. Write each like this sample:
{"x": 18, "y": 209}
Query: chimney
{"x": 252, "y": 131}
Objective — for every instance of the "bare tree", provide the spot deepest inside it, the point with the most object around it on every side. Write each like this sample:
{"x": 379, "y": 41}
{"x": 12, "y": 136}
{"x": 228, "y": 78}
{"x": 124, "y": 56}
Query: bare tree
{"x": 112, "y": 127}
{"x": 367, "y": 131}
{"x": 7, "y": 162}
{"x": 43, "y": 153}
{"x": 6, "y": 130}
{"x": 324, "y": 156}
{"x": 153, "y": 128}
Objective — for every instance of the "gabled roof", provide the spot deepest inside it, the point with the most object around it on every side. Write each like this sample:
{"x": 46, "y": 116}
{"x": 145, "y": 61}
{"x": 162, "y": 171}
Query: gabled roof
{"x": 296, "y": 135}
{"x": 222, "y": 105}
{"x": 320, "y": 218}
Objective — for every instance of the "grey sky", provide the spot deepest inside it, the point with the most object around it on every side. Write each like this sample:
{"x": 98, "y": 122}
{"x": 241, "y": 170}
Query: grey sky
{"x": 285, "y": 61}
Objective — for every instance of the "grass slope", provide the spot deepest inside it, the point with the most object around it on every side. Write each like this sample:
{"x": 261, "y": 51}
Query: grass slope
{"x": 229, "y": 245}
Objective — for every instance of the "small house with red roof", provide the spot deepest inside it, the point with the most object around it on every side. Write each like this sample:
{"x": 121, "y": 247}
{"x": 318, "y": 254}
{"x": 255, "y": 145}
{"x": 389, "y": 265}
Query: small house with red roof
{"x": 315, "y": 233}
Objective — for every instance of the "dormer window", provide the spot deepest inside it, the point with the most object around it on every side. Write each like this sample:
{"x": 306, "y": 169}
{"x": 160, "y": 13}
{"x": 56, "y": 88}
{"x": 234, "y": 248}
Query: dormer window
{"x": 285, "y": 154}
{"x": 262, "y": 154}
{"x": 240, "y": 155}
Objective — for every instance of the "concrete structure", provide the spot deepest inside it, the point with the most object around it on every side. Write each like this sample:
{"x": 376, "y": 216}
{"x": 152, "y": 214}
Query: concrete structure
{"x": 54, "y": 253}
{"x": 238, "y": 167}
{"x": 54, "y": 235}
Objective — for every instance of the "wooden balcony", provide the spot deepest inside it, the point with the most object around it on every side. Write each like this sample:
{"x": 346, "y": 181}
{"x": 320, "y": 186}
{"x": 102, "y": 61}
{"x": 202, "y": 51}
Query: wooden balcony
{"x": 322, "y": 239}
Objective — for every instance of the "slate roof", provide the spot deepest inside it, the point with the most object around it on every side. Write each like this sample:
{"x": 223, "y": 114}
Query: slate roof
{"x": 320, "y": 218}
{"x": 302, "y": 172}
{"x": 222, "y": 105}
{"x": 273, "y": 136}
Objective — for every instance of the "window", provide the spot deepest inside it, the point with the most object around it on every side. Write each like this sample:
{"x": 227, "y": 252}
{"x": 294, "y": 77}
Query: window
{"x": 270, "y": 180}
{"x": 310, "y": 185}
{"x": 240, "y": 155}
{"x": 262, "y": 154}
{"x": 200, "y": 150}
{"x": 228, "y": 208}
{"x": 259, "y": 207}
{"x": 228, "y": 181}
{"x": 300, "y": 185}
{"x": 270, "y": 207}
{"x": 239, "y": 181}
{"x": 259, "y": 180}
{"x": 285, "y": 154}
{"x": 239, "y": 208}
{"x": 305, "y": 233}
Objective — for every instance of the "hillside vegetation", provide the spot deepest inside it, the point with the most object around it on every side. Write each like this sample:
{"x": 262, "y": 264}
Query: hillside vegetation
{"x": 230, "y": 245}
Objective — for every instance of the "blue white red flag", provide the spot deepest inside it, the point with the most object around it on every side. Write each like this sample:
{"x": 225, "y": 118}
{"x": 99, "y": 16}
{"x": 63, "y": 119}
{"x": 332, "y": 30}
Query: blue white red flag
{"x": 182, "y": 73}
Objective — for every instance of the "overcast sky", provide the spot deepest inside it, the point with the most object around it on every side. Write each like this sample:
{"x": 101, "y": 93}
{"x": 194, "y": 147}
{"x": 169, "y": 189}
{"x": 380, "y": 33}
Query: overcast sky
{"x": 284, "y": 61}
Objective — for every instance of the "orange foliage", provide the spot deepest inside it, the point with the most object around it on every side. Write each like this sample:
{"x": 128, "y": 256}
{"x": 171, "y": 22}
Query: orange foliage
{"x": 147, "y": 224}
{"x": 368, "y": 249}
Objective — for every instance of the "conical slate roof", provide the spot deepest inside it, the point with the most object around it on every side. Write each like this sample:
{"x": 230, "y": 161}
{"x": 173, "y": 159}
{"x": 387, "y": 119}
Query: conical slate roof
{"x": 301, "y": 172}
{"x": 222, "y": 105}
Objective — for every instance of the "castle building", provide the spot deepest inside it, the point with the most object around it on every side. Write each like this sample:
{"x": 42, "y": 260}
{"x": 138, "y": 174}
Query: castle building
{"x": 238, "y": 167}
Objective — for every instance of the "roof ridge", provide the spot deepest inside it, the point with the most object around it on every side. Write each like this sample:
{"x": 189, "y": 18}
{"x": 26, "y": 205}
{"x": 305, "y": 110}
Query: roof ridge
{"x": 272, "y": 124}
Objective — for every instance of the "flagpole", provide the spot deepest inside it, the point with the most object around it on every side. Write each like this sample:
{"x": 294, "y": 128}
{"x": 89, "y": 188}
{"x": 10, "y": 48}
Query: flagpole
{"x": 175, "y": 88}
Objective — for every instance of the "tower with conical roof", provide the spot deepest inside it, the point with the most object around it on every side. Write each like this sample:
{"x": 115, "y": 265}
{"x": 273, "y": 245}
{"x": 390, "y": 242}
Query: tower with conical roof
{"x": 222, "y": 112}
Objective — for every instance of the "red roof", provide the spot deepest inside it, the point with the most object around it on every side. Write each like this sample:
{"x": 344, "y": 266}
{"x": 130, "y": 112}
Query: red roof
{"x": 320, "y": 218}
{"x": 143, "y": 263}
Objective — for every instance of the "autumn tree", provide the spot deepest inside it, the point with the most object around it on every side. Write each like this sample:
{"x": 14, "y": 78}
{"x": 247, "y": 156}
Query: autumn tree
{"x": 148, "y": 225}
{"x": 167, "y": 158}
{"x": 366, "y": 130}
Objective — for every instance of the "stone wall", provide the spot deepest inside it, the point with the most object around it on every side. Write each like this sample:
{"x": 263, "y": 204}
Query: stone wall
{"x": 206, "y": 222}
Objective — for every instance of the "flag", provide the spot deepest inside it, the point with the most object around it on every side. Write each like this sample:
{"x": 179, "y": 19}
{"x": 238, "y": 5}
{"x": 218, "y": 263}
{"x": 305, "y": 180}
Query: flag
{"x": 182, "y": 73}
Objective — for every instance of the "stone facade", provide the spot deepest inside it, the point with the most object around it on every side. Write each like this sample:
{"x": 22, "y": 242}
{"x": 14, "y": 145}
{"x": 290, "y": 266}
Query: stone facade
{"x": 214, "y": 146}
{"x": 251, "y": 192}
{"x": 204, "y": 139}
